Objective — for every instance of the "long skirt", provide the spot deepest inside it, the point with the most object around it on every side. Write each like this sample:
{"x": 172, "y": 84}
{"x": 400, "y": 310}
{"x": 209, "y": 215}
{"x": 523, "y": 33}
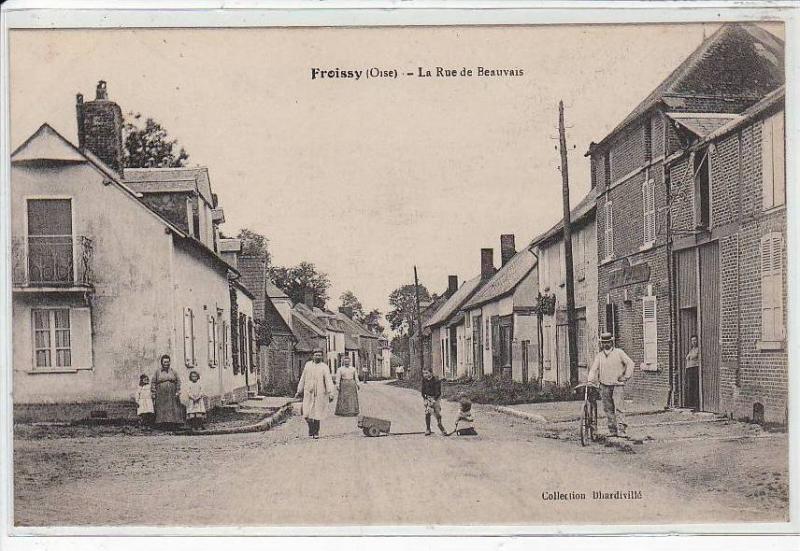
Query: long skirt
{"x": 347, "y": 404}
{"x": 167, "y": 405}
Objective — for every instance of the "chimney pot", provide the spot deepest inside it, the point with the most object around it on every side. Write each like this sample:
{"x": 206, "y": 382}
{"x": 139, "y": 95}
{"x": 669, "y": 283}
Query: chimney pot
{"x": 452, "y": 285}
{"x": 100, "y": 128}
{"x": 309, "y": 298}
{"x": 487, "y": 263}
{"x": 507, "y": 247}
{"x": 102, "y": 91}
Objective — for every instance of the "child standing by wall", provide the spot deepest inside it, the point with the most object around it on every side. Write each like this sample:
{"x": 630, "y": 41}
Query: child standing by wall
{"x": 431, "y": 395}
{"x": 196, "y": 408}
{"x": 144, "y": 402}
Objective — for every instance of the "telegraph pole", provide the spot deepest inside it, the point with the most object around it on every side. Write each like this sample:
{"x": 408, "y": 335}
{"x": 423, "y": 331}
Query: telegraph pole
{"x": 419, "y": 323}
{"x": 572, "y": 332}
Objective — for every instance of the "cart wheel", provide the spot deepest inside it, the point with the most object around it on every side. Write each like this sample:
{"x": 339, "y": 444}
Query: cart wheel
{"x": 365, "y": 430}
{"x": 585, "y": 426}
{"x": 373, "y": 431}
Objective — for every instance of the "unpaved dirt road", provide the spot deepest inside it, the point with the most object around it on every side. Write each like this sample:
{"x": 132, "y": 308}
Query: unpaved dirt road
{"x": 507, "y": 475}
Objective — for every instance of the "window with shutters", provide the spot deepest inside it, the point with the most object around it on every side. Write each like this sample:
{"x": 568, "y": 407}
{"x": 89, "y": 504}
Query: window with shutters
{"x": 188, "y": 338}
{"x": 649, "y": 208}
{"x": 650, "y": 333}
{"x": 225, "y": 338}
{"x": 772, "y": 327}
{"x": 608, "y": 231}
{"x": 773, "y": 168}
{"x": 52, "y": 341}
{"x": 211, "y": 326}
{"x": 253, "y": 347}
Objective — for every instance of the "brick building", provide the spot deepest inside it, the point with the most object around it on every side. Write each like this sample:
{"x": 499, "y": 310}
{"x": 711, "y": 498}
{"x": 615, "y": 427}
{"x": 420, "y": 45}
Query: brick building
{"x": 729, "y": 234}
{"x": 729, "y": 72}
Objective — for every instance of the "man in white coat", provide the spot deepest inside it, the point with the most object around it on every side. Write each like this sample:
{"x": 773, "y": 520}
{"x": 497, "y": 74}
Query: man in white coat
{"x": 612, "y": 368}
{"x": 316, "y": 388}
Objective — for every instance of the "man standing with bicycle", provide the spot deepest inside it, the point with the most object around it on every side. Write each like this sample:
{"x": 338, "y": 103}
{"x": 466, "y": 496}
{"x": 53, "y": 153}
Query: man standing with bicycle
{"x": 612, "y": 368}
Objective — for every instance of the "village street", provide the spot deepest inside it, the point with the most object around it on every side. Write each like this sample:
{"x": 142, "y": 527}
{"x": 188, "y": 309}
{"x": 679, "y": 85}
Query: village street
{"x": 281, "y": 477}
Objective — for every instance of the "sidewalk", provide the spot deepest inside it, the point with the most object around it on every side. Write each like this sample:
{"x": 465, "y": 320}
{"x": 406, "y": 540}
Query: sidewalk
{"x": 559, "y": 412}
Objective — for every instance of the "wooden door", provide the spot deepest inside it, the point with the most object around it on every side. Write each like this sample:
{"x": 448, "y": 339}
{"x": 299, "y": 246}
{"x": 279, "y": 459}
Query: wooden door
{"x": 709, "y": 326}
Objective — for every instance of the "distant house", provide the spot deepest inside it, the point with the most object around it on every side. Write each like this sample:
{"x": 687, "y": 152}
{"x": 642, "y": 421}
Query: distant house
{"x": 419, "y": 338}
{"x": 500, "y": 316}
{"x": 633, "y": 168}
{"x": 310, "y": 337}
{"x": 385, "y": 359}
{"x": 103, "y": 284}
{"x": 549, "y": 249}
{"x": 279, "y": 355}
{"x": 328, "y": 325}
{"x": 361, "y": 345}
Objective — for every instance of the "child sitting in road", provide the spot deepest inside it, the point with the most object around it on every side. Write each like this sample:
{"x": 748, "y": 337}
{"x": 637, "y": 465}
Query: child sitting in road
{"x": 144, "y": 402}
{"x": 464, "y": 422}
{"x": 196, "y": 407}
{"x": 431, "y": 395}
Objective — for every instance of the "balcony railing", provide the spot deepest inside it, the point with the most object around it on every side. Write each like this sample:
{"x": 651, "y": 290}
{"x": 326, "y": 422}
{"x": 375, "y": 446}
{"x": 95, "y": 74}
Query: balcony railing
{"x": 52, "y": 261}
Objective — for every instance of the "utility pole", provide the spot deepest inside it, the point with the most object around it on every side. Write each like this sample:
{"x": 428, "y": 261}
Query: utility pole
{"x": 572, "y": 332}
{"x": 419, "y": 323}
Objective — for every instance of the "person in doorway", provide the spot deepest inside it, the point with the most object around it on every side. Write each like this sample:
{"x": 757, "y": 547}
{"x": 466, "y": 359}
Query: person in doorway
{"x": 316, "y": 388}
{"x": 364, "y": 372}
{"x": 165, "y": 385}
{"x": 691, "y": 375}
{"x": 612, "y": 368}
{"x": 346, "y": 382}
{"x": 431, "y": 396}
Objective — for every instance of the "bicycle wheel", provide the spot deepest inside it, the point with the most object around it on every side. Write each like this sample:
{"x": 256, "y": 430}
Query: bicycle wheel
{"x": 585, "y": 426}
{"x": 593, "y": 421}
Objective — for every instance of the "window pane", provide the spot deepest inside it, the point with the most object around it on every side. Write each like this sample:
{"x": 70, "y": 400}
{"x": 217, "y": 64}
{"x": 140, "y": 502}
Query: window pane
{"x": 62, "y": 339}
{"x": 42, "y": 358}
{"x": 42, "y": 339}
{"x": 61, "y": 318}
{"x": 49, "y": 217}
{"x": 41, "y": 320}
{"x": 63, "y": 358}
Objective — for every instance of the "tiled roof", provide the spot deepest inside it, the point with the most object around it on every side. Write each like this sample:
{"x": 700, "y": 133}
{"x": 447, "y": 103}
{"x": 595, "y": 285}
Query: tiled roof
{"x": 275, "y": 321}
{"x": 274, "y": 292}
{"x": 584, "y": 207}
{"x": 161, "y": 180}
{"x": 302, "y": 317}
{"x": 773, "y": 98}
{"x": 763, "y": 44}
{"x": 505, "y": 280}
{"x": 456, "y": 300}
{"x": 701, "y": 124}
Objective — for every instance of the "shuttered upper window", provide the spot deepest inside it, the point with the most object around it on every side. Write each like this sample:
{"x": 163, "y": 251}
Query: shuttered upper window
{"x": 773, "y": 169}
{"x": 650, "y": 333}
{"x": 608, "y": 233}
{"x": 188, "y": 337}
{"x": 211, "y": 325}
{"x": 772, "y": 328}
{"x": 649, "y": 208}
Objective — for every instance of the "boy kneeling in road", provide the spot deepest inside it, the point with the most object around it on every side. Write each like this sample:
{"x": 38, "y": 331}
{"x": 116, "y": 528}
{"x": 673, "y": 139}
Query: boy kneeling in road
{"x": 431, "y": 395}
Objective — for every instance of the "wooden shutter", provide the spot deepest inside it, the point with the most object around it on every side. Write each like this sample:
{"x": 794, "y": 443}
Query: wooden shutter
{"x": 211, "y": 327}
{"x": 188, "y": 338}
{"x": 81, "y": 337}
{"x": 650, "y": 333}
{"x": 225, "y": 338}
{"x": 778, "y": 161}
{"x": 772, "y": 287}
{"x": 253, "y": 346}
{"x": 768, "y": 196}
{"x": 648, "y": 205}
{"x": 609, "y": 231}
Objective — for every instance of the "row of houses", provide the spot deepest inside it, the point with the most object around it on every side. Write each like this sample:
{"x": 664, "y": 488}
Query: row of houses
{"x": 682, "y": 233}
{"x": 113, "y": 267}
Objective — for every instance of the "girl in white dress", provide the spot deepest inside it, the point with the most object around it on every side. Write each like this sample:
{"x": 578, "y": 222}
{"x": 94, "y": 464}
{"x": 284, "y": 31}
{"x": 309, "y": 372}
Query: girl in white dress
{"x": 196, "y": 407}
{"x": 144, "y": 402}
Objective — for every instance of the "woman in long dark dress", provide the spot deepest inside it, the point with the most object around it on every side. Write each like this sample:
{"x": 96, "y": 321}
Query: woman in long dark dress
{"x": 347, "y": 383}
{"x": 166, "y": 389}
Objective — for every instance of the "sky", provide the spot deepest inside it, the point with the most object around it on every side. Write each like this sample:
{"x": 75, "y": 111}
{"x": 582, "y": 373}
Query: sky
{"x": 365, "y": 178}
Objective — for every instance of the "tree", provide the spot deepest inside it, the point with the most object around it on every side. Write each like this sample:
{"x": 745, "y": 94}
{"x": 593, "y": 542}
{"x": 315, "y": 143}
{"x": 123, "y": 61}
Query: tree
{"x": 404, "y": 301}
{"x": 296, "y": 279}
{"x": 254, "y": 244}
{"x": 352, "y": 306}
{"x": 373, "y": 321}
{"x": 399, "y": 346}
{"x": 150, "y": 146}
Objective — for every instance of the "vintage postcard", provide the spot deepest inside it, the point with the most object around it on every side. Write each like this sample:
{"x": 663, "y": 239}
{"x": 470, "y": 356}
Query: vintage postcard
{"x": 522, "y": 277}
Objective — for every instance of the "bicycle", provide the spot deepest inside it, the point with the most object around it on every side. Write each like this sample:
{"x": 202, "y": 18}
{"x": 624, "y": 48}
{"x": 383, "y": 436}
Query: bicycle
{"x": 589, "y": 418}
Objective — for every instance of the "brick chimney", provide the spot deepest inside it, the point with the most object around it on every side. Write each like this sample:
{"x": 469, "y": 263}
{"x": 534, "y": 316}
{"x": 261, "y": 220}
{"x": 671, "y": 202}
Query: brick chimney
{"x": 507, "y": 247}
{"x": 308, "y": 298}
{"x": 347, "y": 311}
{"x": 487, "y": 263}
{"x": 100, "y": 127}
{"x": 452, "y": 285}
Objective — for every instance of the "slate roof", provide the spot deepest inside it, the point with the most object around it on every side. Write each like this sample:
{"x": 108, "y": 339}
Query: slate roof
{"x": 728, "y": 39}
{"x": 456, "y": 300}
{"x": 307, "y": 321}
{"x": 701, "y": 124}
{"x": 162, "y": 180}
